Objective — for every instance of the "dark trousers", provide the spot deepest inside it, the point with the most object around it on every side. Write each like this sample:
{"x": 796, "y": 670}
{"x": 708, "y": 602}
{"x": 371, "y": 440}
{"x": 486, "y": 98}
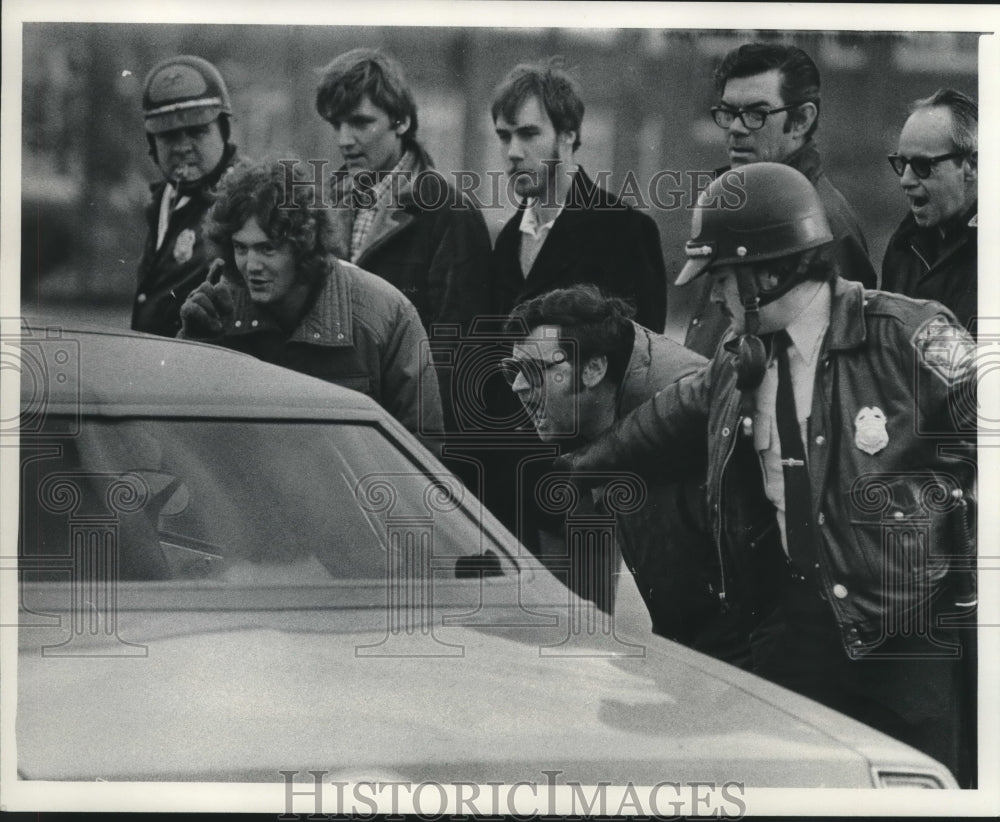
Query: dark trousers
{"x": 908, "y": 689}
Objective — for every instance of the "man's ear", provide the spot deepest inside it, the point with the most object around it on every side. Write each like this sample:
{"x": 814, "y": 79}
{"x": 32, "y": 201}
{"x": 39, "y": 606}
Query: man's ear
{"x": 402, "y": 125}
{"x": 594, "y": 370}
{"x": 566, "y": 140}
{"x": 802, "y": 119}
{"x": 971, "y": 167}
{"x": 766, "y": 280}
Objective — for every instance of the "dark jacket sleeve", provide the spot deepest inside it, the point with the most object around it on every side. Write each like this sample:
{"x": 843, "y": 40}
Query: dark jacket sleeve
{"x": 651, "y": 275}
{"x": 459, "y": 275}
{"x": 658, "y": 440}
{"x": 852, "y": 248}
{"x": 945, "y": 355}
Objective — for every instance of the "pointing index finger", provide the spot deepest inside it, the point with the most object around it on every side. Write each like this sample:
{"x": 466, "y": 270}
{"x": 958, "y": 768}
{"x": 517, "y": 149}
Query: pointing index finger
{"x": 216, "y": 271}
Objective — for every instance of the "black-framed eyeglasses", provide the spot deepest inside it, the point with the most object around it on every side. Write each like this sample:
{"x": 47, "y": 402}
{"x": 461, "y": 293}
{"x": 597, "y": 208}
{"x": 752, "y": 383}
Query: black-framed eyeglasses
{"x": 922, "y": 166}
{"x": 752, "y": 118}
{"x": 533, "y": 369}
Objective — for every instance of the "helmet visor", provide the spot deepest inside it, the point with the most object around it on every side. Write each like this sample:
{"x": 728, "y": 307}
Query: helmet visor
{"x": 700, "y": 256}
{"x": 181, "y": 117}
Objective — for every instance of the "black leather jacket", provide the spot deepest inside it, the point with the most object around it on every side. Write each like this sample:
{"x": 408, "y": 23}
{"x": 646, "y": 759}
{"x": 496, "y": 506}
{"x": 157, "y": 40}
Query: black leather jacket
{"x": 920, "y": 263}
{"x": 167, "y": 274}
{"x": 889, "y": 513}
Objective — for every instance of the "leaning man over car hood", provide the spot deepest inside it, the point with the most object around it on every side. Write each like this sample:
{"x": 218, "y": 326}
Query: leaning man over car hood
{"x": 277, "y": 293}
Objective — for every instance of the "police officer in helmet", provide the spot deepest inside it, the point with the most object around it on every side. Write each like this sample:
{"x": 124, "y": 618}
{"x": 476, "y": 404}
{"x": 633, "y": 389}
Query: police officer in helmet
{"x": 758, "y": 253}
{"x": 187, "y": 114}
{"x": 822, "y": 415}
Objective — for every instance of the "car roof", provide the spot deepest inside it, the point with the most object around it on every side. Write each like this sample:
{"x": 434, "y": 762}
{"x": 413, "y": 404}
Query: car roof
{"x": 73, "y": 366}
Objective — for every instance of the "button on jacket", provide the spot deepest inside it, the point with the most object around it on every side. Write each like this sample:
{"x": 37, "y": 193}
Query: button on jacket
{"x": 895, "y": 382}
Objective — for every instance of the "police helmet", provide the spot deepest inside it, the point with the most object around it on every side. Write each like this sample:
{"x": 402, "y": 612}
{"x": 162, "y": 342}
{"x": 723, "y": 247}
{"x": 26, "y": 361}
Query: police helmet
{"x": 183, "y": 91}
{"x": 760, "y": 211}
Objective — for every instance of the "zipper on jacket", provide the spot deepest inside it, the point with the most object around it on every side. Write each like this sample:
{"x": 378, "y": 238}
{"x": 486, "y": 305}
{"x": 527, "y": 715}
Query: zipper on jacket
{"x": 826, "y": 383}
{"x": 734, "y": 433}
{"x": 945, "y": 257}
{"x": 916, "y": 251}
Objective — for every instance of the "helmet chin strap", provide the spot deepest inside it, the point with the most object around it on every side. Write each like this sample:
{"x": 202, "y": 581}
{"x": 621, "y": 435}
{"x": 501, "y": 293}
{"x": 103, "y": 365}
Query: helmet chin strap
{"x": 751, "y": 353}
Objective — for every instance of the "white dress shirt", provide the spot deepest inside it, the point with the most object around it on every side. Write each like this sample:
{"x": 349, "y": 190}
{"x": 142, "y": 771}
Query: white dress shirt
{"x": 807, "y": 331}
{"x": 169, "y": 203}
{"x": 533, "y": 234}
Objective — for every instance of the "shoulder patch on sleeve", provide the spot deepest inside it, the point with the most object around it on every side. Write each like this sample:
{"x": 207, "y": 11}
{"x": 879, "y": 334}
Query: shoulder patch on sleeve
{"x": 945, "y": 348}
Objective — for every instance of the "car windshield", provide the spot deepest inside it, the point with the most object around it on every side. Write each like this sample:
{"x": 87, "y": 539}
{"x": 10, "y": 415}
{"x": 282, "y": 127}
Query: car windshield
{"x": 246, "y": 502}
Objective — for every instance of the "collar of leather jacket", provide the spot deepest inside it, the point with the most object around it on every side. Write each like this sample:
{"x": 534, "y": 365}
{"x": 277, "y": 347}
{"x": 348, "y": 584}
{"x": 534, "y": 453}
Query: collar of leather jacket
{"x": 806, "y": 160}
{"x": 847, "y": 318}
{"x": 959, "y": 229}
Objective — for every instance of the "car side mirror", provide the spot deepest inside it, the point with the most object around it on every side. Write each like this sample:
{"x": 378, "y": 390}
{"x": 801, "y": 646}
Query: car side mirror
{"x": 486, "y": 564}
{"x": 168, "y": 495}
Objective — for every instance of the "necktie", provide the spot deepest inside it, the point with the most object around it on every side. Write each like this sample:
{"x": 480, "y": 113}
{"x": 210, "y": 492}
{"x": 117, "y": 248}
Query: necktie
{"x": 799, "y": 529}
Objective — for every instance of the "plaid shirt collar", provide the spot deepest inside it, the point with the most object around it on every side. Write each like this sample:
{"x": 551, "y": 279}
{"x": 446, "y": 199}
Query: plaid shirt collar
{"x": 378, "y": 196}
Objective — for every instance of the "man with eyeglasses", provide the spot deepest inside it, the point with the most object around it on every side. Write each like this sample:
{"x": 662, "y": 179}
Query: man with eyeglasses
{"x": 579, "y": 364}
{"x": 838, "y": 425}
{"x": 769, "y": 110}
{"x": 933, "y": 254}
{"x": 567, "y": 230}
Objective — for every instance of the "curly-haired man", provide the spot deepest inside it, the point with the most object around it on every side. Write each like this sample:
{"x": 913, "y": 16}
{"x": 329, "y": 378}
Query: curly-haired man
{"x": 278, "y": 293}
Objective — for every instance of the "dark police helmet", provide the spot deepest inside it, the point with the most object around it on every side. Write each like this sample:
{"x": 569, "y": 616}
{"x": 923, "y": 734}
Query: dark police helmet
{"x": 760, "y": 211}
{"x": 183, "y": 91}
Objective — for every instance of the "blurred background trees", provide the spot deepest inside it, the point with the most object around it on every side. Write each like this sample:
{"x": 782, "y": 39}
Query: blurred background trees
{"x": 86, "y": 172}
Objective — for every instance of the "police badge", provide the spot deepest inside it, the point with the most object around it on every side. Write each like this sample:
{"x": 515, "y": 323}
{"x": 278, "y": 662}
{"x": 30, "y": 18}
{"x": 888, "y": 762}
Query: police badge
{"x": 869, "y": 430}
{"x": 184, "y": 246}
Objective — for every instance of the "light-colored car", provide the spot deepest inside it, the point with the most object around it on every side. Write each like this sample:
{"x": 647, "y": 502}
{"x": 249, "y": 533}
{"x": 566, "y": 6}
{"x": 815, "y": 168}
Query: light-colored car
{"x": 230, "y": 570}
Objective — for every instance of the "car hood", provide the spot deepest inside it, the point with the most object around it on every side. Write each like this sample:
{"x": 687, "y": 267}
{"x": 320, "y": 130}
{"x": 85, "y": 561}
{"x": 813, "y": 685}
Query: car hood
{"x": 244, "y": 702}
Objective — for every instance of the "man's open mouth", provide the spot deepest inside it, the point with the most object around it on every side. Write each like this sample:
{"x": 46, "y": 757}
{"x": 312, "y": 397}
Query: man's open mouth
{"x": 536, "y": 413}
